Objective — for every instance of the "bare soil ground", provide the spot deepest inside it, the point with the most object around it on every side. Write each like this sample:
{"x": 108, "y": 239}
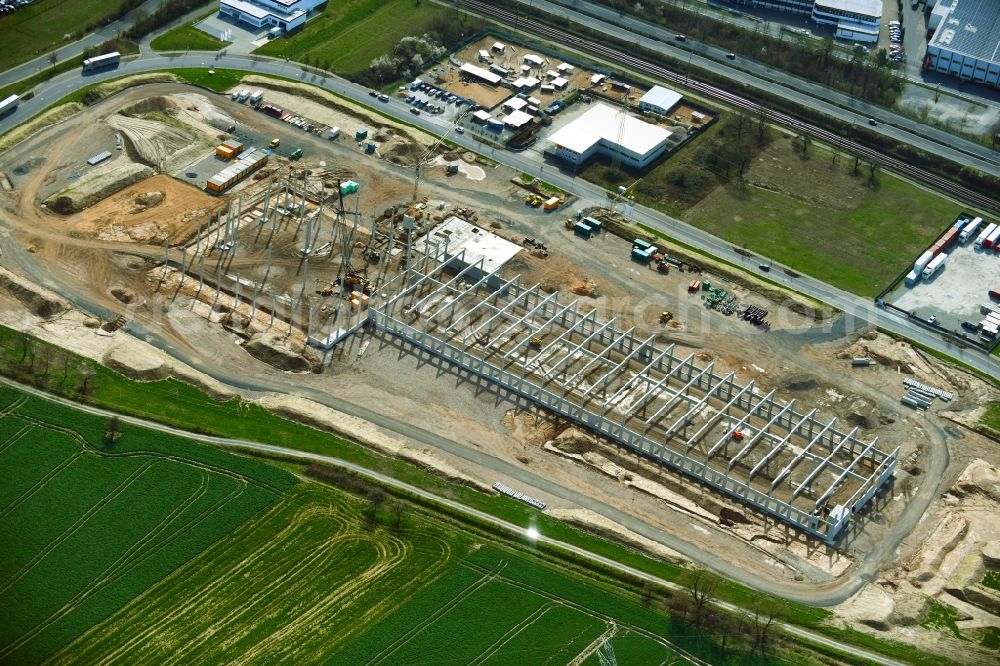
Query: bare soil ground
{"x": 799, "y": 357}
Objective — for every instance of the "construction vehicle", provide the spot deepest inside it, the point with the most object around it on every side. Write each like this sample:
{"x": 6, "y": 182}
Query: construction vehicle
{"x": 356, "y": 278}
{"x": 533, "y": 200}
{"x": 451, "y": 170}
{"x": 663, "y": 267}
{"x": 326, "y": 290}
{"x": 535, "y": 342}
{"x": 738, "y": 435}
{"x": 666, "y": 317}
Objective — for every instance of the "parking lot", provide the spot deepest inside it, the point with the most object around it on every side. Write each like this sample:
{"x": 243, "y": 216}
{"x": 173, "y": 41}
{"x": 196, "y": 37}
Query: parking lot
{"x": 427, "y": 98}
{"x": 956, "y": 292}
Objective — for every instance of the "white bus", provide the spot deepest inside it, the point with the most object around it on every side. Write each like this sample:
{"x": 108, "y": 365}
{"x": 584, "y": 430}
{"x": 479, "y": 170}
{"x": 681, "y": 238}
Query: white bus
{"x": 9, "y": 105}
{"x": 112, "y": 59}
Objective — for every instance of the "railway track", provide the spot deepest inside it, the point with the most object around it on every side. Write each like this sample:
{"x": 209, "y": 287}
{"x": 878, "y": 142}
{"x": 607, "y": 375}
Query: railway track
{"x": 981, "y": 201}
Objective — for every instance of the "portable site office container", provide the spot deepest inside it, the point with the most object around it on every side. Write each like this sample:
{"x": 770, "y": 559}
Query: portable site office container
{"x": 984, "y": 234}
{"x": 935, "y": 264}
{"x": 236, "y": 172}
{"x": 641, "y": 244}
{"x": 592, "y": 223}
{"x": 991, "y": 240}
{"x": 582, "y": 230}
{"x": 913, "y": 277}
{"x": 923, "y": 260}
{"x": 969, "y": 229}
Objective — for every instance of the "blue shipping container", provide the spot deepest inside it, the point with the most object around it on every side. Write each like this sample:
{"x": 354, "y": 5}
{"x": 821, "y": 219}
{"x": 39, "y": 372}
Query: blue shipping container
{"x": 581, "y": 229}
{"x": 641, "y": 244}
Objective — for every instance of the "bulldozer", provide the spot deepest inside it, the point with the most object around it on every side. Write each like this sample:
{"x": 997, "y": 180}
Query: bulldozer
{"x": 666, "y": 316}
{"x": 535, "y": 342}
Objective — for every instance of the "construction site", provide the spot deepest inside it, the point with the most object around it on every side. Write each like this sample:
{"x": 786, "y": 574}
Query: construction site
{"x": 409, "y": 289}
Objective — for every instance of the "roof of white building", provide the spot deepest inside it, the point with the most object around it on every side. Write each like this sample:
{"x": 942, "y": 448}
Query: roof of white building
{"x": 863, "y": 7}
{"x": 662, "y": 97}
{"x": 559, "y": 82}
{"x": 971, "y": 28}
{"x": 517, "y": 119}
{"x": 515, "y": 103}
{"x": 604, "y": 122}
{"x": 247, "y": 8}
{"x": 480, "y": 73}
{"x": 526, "y": 82}
{"x": 481, "y": 115}
{"x": 477, "y": 243}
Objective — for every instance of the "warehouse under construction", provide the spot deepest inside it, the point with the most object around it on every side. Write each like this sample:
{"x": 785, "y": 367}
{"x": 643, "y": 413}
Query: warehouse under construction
{"x": 781, "y": 458}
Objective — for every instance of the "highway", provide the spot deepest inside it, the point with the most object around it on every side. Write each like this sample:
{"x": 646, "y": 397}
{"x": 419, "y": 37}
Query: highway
{"x": 517, "y": 531}
{"x": 776, "y": 82}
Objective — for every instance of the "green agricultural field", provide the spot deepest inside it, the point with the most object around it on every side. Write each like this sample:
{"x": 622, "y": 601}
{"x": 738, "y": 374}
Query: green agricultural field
{"x": 88, "y": 526}
{"x": 507, "y": 610}
{"x": 186, "y": 38}
{"x": 348, "y": 35}
{"x": 291, "y": 585}
{"x": 42, "y": 25}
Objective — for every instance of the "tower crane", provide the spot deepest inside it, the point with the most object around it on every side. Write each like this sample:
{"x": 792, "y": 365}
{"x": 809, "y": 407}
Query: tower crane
{"x": 428, "y": 153}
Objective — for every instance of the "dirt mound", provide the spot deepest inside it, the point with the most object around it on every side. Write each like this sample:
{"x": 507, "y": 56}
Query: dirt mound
{"x": 202, "y": 106}
{"x": 979, "y": 478}
{"x": 97, "y": 185}
{"x": 147, "y": 200}
{"x": 403, "y": 153}
{"x": 282, "y": 352}
{"x": 39, "y": 301}
{"x": 124, "y": 295}
{"x": 148, "y": 105}
{"x": 159, "y": 144}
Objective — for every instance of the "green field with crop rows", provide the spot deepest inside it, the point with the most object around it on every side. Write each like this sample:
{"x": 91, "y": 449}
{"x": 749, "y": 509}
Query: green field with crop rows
{"x": 498, "y": 608}
{"x": 290, "y": 586}
{"x": 86, "y": 527}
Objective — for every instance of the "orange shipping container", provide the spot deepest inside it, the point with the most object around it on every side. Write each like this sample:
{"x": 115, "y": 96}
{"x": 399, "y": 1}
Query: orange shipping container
{"x": 225, "y": 152}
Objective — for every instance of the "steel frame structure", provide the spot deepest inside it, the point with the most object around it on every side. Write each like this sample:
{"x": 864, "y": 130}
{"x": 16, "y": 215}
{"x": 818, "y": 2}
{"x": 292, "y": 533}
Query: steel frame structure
{"x": 639, "y": 395}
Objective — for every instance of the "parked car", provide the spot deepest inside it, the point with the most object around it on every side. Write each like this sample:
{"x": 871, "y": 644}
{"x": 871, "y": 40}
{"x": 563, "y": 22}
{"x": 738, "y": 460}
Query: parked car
{"x": 932, "y": 319}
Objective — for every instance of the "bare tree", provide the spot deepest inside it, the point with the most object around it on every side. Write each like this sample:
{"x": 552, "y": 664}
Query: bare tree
{"x": 86, "y": 374}
{"x": 114, "y": 431}
{"x": 53, "y": 57}
{"x": 397, "y": 510}
{"x": 762, "y": 615}
{"x": 376, "y": 498}
{"x": 701, "y": 589}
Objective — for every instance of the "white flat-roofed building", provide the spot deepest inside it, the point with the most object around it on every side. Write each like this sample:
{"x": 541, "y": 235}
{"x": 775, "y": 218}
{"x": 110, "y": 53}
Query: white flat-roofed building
{"x": 514, "y": 104}
{"x": 284, "y": 14}
{"x": 533, "y": 60}
{"x": 480, "y": 74}
{"x": 857, "y": 20}
{"x": 966, "y": 41}
{"x": 484, "y": 55}
{"x": 498, "y": 47}
{"x": 463, "y": 244}
{"x": 525, "y": 84}
{"x": 659, "y": 100}
{"x": 517, "y": 119}
{"x": 566, "y": 68}
{"x": 597, "y": 79}
{"x": 481, "y": 116}
{"x": 597, "y": 132}
{"x": 560, "y": 83}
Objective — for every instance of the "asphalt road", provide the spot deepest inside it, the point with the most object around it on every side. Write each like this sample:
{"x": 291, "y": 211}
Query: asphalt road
{"x": 515, "y": 530}
{"x": 774, "y": 81}
{"x": 24, "y": 70}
